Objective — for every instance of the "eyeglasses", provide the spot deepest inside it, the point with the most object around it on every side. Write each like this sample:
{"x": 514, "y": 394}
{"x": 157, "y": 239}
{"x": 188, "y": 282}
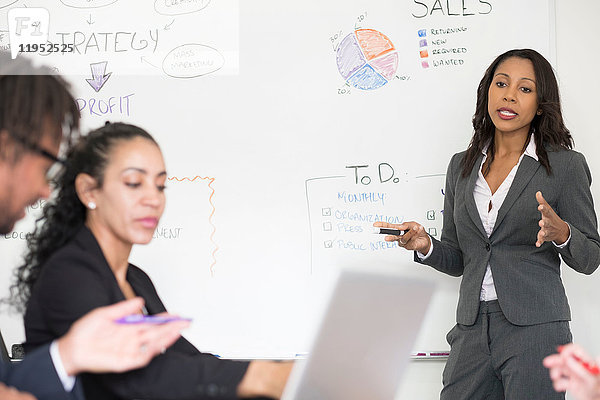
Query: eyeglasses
{"x": 58, "y": 164}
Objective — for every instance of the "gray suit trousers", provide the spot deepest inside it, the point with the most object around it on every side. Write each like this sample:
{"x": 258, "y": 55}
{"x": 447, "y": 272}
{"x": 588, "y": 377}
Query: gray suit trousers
{"x": 495, "y": 360}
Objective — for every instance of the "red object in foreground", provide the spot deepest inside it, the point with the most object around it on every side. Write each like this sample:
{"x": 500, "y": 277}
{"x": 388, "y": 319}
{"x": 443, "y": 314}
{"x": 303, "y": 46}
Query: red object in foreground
{"x": 591, "y": 367}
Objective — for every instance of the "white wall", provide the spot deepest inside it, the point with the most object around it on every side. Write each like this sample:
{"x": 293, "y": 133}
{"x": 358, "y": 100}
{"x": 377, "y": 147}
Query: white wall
{"x": 265, "y": 131}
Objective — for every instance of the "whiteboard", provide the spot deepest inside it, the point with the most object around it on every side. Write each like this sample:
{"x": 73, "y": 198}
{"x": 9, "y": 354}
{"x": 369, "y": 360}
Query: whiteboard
{"x": 287, "y": 128}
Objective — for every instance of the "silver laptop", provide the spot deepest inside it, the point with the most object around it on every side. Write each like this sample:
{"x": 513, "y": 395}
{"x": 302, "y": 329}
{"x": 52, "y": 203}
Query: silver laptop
{"x": 365, "y": 338}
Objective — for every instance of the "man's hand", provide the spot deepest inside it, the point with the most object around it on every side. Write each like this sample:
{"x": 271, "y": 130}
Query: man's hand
{"x": 10, "y": 393}
{"x": 95, "y": 343}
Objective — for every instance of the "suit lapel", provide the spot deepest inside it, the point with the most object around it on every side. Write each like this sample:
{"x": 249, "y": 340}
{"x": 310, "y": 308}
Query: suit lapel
{"x": 525, "y": 172}
{"x": 77, "y": 392}
{"x": 470, "y": 198}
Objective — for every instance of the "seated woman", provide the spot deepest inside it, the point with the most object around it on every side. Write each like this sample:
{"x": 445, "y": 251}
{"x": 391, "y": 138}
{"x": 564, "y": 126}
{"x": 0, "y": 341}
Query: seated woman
{"x": 109, "y": 197}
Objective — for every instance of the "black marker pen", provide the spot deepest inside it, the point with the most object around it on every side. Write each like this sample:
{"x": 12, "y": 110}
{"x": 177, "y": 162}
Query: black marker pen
{"x": 389, "y": 231}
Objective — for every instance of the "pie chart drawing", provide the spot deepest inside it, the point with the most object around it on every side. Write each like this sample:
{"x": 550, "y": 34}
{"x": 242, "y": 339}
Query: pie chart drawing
{"x": 367, "y": 59}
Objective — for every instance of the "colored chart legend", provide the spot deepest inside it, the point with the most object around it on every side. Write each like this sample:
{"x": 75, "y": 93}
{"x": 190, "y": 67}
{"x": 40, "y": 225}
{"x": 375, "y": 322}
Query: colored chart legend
{"x": 423, "y": 53}
{"x": 367, "y": 59}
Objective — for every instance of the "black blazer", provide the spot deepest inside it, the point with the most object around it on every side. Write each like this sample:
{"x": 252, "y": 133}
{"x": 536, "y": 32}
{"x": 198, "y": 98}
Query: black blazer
{"x": 36, "y": 375}
{"x": 527, "y": 278}
{"x": 77, "y": 279}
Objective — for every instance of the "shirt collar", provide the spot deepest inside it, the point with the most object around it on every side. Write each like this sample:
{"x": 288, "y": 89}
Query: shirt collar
{"x": 530, "y": 150}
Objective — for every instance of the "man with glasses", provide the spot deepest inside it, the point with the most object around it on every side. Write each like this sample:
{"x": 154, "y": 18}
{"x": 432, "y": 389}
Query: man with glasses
{"x": 37, "y": 115}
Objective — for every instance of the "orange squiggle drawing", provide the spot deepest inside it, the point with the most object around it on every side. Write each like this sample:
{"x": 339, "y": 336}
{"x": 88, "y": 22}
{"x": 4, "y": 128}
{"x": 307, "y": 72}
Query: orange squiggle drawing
{"x": 210, "y": 217}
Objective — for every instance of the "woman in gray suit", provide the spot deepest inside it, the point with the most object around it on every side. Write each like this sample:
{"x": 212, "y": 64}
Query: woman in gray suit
{"x": 516, "y": 202}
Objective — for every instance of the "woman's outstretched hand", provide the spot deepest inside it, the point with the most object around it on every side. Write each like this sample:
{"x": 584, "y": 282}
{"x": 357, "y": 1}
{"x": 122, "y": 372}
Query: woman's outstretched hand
{"x": 552, "y": 227}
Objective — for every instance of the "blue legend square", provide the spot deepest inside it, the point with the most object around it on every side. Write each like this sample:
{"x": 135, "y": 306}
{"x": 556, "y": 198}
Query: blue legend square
{"x": 422, "y": 32}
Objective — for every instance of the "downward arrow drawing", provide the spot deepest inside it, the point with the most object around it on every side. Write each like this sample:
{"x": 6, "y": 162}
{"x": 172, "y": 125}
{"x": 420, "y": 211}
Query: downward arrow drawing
{"x": 98, "y": 77}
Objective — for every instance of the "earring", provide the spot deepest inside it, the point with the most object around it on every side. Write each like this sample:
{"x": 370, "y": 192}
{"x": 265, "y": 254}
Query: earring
{"x": 539, "y": 112}
{"x": 91, "y": 205}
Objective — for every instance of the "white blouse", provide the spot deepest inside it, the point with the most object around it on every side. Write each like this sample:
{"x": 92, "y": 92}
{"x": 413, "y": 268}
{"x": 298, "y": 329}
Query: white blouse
{"x": 483, "y": 198}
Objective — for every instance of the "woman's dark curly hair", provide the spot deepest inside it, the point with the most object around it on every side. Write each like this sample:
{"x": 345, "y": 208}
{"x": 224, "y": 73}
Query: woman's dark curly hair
{"x": 548, "y": 128}
{"x": 64, "y": 214}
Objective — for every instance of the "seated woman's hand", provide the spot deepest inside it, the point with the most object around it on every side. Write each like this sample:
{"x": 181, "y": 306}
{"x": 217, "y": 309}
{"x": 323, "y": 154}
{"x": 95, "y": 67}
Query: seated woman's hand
{"x": 265, "y": 379}
{"x": 568, "y": 374}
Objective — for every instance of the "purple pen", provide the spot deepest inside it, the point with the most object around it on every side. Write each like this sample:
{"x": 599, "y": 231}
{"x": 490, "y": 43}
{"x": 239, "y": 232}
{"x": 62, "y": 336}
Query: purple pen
{"x": 149, "y": 319}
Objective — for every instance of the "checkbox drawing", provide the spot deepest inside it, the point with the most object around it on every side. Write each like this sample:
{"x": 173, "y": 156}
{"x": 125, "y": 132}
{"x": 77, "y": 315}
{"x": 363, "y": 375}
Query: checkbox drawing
{"x": 327, "y": 227}
{"x": 431, "y": 215}
{"x": 432, "y": 231}
{"x": 328, "y": 244}
{"x": 326, "y": 212}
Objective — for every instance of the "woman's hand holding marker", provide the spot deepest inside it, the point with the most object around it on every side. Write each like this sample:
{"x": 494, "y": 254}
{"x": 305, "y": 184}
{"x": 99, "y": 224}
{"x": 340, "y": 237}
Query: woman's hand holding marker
{"x": 414, "y": 237}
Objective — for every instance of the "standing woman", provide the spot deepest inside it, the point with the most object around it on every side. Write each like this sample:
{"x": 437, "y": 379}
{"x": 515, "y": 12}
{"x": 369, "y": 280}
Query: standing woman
{"x": 110, "y": 197}
{"x": 515, "y": 200}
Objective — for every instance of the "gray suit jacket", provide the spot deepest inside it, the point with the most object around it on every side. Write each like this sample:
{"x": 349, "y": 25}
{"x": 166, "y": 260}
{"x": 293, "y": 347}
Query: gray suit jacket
{"x": 527, "y": 278}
